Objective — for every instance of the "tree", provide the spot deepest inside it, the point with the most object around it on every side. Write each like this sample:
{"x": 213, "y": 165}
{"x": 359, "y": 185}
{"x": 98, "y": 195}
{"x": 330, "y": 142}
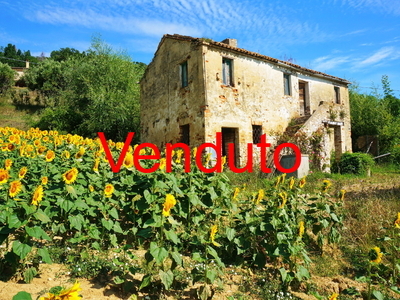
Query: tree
{"x": 65, "y": 53}
{"x": 6, "y": 78}
{"x": 91, "y": 93}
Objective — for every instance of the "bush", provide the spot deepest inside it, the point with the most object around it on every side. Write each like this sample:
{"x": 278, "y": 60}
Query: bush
{"x": 6, "y": 78}
{"x": 395, "y": 155}
{"x": 354, "y": 163}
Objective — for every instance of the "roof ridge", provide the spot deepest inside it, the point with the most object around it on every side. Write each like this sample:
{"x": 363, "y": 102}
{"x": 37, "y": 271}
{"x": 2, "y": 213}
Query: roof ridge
{"x": 251, "y": 53}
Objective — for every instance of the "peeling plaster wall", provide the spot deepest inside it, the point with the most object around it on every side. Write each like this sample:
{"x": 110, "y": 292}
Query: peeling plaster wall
{"x": 165, "y": 104}
{"x": 256, "y": 97}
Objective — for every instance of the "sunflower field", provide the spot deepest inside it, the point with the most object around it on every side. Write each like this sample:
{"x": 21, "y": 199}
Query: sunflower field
{"x": 59, "y": 189}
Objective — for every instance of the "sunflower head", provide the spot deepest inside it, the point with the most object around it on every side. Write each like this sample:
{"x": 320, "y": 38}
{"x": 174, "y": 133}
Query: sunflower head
{"x": 15, "y": 188}
{"x": 37, "y": 195}
{"x": 4, "y": 176}
{"x": 375, "y": 255}
{"x": 22, "y": 172}
{"x": 70, "y": 176}
{"x": 170, "y": 202}
{"x": 108, "y": 190}
{"x": 8, "y": 163}
{"x": 50, "y": 155}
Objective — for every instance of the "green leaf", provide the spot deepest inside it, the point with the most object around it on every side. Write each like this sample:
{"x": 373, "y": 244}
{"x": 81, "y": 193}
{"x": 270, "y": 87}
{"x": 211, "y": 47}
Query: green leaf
{"x": 145, "y": 281}
{"x": 230, "y": 233}
{"x": 302, "y": 273}
{"x": 107, "y": 224}
{"x": 177, "y": 257}
{"x": 41, "y": 216}
{"x": 211, "y": 275}
{"x": 22, "y": 296}
{"x": 159, "y": 253}
{"x": 70, "y": 189}
{"x": 118, "y": 280}
{"x": 29, "y": 274}
{"x": 13, "y": 221}
{"x": 378, "y": 295}
{"x": 20, "y": 249}
{"x": 114, "y": 213}
{"x": 117, "y": 228}
{"x": 66, "y": 205}
{"x": 94, "y": 233}
{"x": 37, "y": 232}
{"x": 283, "y": 274}
{"x": 171, "y": 235}
{"x": 76, "y": 221}
{"x": 45, "y": 255}
{"x": 167, "y": 278}
{"x": 334, "y": 217}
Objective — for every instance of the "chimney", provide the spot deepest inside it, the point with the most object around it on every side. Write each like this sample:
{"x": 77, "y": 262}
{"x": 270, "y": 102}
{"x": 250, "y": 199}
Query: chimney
{"x": 27, "y": 64}
{"x": 230, "y": 42}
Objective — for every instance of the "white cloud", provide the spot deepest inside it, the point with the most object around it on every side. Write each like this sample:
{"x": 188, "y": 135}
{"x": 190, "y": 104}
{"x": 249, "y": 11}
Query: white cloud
{"x": 329, "y": 62}
{"x": 378, "y": 56}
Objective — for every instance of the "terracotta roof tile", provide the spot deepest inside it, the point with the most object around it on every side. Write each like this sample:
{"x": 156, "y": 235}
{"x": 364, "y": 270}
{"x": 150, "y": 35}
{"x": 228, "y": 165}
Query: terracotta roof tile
{"x": 250, "y": 53}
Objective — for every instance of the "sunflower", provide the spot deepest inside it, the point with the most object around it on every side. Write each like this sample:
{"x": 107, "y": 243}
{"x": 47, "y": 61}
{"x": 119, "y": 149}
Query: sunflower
{"x": 50, "y": 155}
{"x": 283, "y": 196}
{"x": 301, "y": 229}
{"x": 178, "y": 156}
{"x": 291, "y": 182}
{"x": 40, "y": 150}
{"x": 375, "y": 255}
{"x": 45, "y": 180}
{"x": 397, "y": 222}
{"x": 235, "y": 193}
{"x": 325, "y": 185}
{"x": 70, "y": 176}
{"x": 22, "y": 172}
{"x": 4, "y": 176}
{"x": 108, "y": 190}
{"x": 334, "y": 296}
{"x": 96, "y": 165}
{"x": 260, "y": 196}
{"x": 8, "y": 163}
{"x": 80, "y": 153}
{"x": 128, "y": 161}
{"x": 169, "y": 203}
{"x": 213, "y": 232}
{"x": 37, "y": 195}
{"x": 66, "y": 154}
{"x": 64, "y": 294}
{"x": 15, "y": 188}
{"x": 163, "y": 163}
{"x": 194, "y": 152}
{"x": 91, "y": 188}
{"x": 223, "y": 162}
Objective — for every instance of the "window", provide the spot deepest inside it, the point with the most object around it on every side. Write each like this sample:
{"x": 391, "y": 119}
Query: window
{"x": 257, "y": 133}
{"x": 227, "y": 71}
{"x": 185, "y": 134}
{"x": 184, "y": 74}
{"x": 337, "y": 94}
{"x": 286, "y": 84}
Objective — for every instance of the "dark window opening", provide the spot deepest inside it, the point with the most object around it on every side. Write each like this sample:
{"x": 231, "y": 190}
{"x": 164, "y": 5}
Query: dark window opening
{"x": 185, "y": 134}
{"x": 227, "y": 71}
{"x": 257, "y": 133}
{"x": 286, "y": 84}
{"x": 184, "y": 74}
{"x": 337, "y": 94}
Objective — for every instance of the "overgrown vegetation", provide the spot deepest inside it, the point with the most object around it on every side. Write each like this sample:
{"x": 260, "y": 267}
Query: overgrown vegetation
{"x": 354, "y": 163}
{"x": 85, "y": 93}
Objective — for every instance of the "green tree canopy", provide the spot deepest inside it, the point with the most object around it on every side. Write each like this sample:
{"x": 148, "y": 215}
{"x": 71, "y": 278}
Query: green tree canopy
{"x": 91, "y": 93}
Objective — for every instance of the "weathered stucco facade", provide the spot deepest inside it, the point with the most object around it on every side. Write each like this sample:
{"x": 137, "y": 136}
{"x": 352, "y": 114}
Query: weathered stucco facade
{"x": 194, "y": 88}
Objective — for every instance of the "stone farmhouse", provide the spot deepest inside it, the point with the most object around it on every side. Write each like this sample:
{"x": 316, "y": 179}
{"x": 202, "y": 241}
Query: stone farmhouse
{"x": 196, "y": 87}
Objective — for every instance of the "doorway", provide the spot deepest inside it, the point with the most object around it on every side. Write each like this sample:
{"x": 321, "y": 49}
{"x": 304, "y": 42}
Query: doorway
{"x": 230, "y": 136}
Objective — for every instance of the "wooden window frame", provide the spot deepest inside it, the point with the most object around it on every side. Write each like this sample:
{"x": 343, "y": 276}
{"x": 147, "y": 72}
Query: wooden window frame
{"x": 227, "y": 71}
{"x": 337, "y": 95}
{"x": 257, "y": 132}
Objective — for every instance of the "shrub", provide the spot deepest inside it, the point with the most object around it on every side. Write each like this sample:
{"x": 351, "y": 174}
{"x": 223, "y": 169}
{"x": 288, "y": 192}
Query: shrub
{"x": 6, "y": 78}
{"x": 395, "y": 155}
{"x": 354, "y": 163}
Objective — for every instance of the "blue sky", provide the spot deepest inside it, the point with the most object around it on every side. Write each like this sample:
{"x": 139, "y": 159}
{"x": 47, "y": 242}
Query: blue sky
{"x": 358, "y": 40}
